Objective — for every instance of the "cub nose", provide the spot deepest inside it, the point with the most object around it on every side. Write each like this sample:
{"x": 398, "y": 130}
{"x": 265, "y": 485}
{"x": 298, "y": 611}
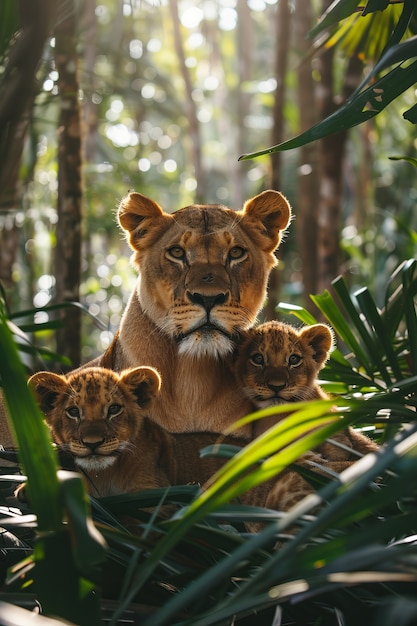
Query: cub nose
{"x": 207, "y": 302}
{"x": 92, "y": 444}
{"x": 276, "y": 388}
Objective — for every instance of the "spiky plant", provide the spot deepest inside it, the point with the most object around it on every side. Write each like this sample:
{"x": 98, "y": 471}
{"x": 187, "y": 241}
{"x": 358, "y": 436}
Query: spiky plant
{"x": 352, "y": 559}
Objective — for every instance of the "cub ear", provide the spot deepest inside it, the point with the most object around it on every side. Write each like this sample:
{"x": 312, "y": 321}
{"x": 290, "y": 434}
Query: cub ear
{"x": 47, "y": 387}
{"x": 140, "y": 216}
{"x": 143, "y": 382}
{"x": 320, "y": 338}
{"x": 269, "y": 212}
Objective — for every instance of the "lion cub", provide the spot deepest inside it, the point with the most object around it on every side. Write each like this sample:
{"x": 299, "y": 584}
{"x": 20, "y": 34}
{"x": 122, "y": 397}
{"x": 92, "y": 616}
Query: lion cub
{"x": 279, "y": 364}
{"x": 99, "y": 417}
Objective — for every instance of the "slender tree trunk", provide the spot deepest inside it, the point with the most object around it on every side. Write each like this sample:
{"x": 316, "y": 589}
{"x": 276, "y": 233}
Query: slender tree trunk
{"x": 90, "y": 108}
{"x": 308, "y": 180}
{"x": 331, "y": 156}
{"x": 332, "y": 150}
{"x": 190, "y": 107}
{"x": 245, "y": 44}
{"x": 9, "y": 244}
{"x": 17, "y": 92}
{"x": 68, "y": 233}
{"x": 283, "y": 29}
{"x": 18, "y": 89}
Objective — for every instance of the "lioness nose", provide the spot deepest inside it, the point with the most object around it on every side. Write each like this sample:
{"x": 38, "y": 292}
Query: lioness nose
{"x": 207, "y": 302}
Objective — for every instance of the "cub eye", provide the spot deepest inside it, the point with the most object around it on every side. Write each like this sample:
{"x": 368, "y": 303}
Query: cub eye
{"x": 176, "y": 252}
{"x": 73, "y": 412}
{"x": 257, "y": 359}
{"x": 236, "y": 253}
{"x": 114, "y": 409}
{"x": 294, "y": 360}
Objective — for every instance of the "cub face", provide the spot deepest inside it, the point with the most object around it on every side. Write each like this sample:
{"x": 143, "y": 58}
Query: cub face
{"x": 204, "y": 269}
{"x": 277, "y": 363}
{"x": 95, "y": 413}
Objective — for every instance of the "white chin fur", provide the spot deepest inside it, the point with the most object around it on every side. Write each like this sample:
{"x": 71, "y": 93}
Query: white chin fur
{"x": 95, "y": 463}
{"x": 200, "y": 344}
{"x": 265, "y": 404}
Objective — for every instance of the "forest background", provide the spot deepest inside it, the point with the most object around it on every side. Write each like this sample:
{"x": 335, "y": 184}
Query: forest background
{"x": 163, "y": 98}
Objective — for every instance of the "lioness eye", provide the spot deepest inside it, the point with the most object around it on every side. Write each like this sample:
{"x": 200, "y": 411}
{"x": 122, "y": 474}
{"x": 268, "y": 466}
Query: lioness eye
{"x": 177, "y": 252}
{"x": 294, "y": 360}
{"x": 114, "y": 409}
{"x": 73, "y": 412}
{"x": 236, "y": 252}
{"x": 257, "y": 359}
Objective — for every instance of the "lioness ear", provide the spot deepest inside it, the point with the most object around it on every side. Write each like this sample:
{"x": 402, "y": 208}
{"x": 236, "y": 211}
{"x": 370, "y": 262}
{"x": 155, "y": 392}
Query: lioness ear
{"x": 47, "y": 387}
{"x": 270, "y": 213}
{"x": 143, "y": 382}
{"x": 320, "y": 338}
{"x": 138, "y": 216}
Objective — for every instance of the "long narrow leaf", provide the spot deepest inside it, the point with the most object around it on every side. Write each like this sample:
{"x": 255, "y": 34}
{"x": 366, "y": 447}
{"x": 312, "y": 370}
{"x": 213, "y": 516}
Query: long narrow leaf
{"x": 337, "y": 11}
{"x": 355, "y": 111}
{"x": 329, "y": 308}
{"x": 408, "y": 276}
{"x": 373, "y": 316}
{"x": 339, "y": 286}
{"x": 36, "y": 452}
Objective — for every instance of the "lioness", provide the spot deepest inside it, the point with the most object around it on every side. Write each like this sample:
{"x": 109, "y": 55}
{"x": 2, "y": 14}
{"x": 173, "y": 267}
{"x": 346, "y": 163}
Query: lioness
{"x": 203, "y": 274}
{"x": 99, "y": 417}
{"x": 279, "y": 364}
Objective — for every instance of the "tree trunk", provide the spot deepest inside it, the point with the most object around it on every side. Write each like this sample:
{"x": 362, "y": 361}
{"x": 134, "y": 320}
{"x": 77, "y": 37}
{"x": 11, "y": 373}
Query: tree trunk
{"x": 190, "y": 108}
{"x": 245, "y": 45}
{"x": 306, "y": 230}
{"x": 331, "y": 156}
{"x": 90, "y": 108}
{"x": 283, "y": 28}
{"x": 332, "y": 150}
{"x": 68, "y": 232}
{"x": 17, "y": 92}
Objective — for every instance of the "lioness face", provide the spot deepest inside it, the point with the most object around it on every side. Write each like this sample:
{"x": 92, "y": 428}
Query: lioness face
{"x": 278, "y": 364}
{"x": 95, "y": 414}
{"x": 204, "y": 269}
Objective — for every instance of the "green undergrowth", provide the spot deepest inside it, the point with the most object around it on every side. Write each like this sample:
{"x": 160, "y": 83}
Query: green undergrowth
{"x": 345, "y": 554}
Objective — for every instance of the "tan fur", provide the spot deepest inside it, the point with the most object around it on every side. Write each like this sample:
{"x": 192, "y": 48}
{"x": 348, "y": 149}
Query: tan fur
{"x": 278, "y": 364}
{"x": 99, "y": 417}
{"x": 203, "y": 274}
{"x": 6, "y": 437}
{"x": 113, "y": 443}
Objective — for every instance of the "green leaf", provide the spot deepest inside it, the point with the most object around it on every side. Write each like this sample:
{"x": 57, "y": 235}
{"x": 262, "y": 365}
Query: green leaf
{"x": 408, "y": 277}
{"x": 36, "y": 453}
{"x": 356, "y": 110}
{"x": 328, "y": 307}
{"x": 411, "y": 114}
{"x": 404, "y": 158}
{"x": 300, "y": 312}
{"x": 394, "y": 54}
{"x": 89, "y": 547}
{"x": 337, "y": 11}
{"x": 375, "y": 5}
{"x": 373, "y": 317}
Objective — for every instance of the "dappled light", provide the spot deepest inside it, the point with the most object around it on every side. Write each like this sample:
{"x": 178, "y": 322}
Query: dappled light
{"x": 229, "y": 389}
